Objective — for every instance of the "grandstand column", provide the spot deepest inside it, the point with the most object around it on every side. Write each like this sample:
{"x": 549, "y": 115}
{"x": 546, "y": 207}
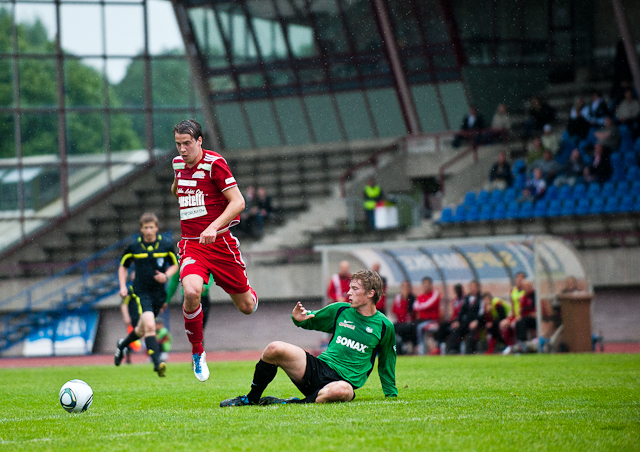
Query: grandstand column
{"x": 62, "y": 124}
{"x": 627, "y": 40}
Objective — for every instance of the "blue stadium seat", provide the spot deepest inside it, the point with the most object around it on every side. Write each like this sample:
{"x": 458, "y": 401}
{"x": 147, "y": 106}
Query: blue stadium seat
{"x": 568, "y": 208}
{"x": 510, "y": 194}
{"x": 626, "y": 204}
{"x": 554, "y": 209}
{"x": 496, "y": 196}
{"x": 512, "y": 210}
{"x": 629, "y": 159}
{"x": 593, "y": 190}
{"x": 583, "y": 206}
{"x": 633, "y": 174}
{"x": 500, "y": 212}
{"x": 552, "y": 193}
{"x": 579, "y": 190}
{"x": 566, "y": 191}
{"x": 636, "y": 146}
{"x": 526, "y": 210}
{"x": 636, "y": 205}
{"x": 486, "y": 212}
{"x": 611, "y": 205}
{"x": 483, "y": 197}
{"x": 627, "y": 138}
{"x": 470, "y": 199}
{"x": 635, "y": 188}
{"x": 473, "y": 214}
{"x": 616, "y": 159}
{"x": 447, "y": 215}
{"x": 597, "y": 206}
{"x": 461, "y": 214}
{"x": 608, "y": 189}
{"x": 520, "y": 181}
{"x": 540, "y": 209}
{"x": 622, "y": 188}
{"x": 518, "y": 167}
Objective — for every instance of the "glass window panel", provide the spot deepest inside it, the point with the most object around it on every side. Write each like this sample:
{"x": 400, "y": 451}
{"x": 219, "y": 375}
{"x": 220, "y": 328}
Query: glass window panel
{"x": 270, "y": 39}
{"x": 125, "y": 30}
{"x": 323, "y": 118}
{"x": 263, "y": 124}
{"x": 362, "y": 26}
{"x": 163, "y": 124}
{"x": 536, "y": 20}
{"x": 475, "y": 19}
{"x": 235, "y": 29}
{"x": 281, "y": 77}
{"x": 170, "y": 83}
{"x": 222, "y": 83}
{"x": 343, "y": 70}
{"x": 407, "y": 32}
{"x": 164, "y": 34}
{"x": 386, "y": 112}
{"x": 330, "y": 30}
{"x": 41, "y": 186}
{"x": 81, "y": 32}
{"x": 354, "y": 115}
{"x": 39, "y": 134}
{"x": 6, "y": 23}
{"x": 292, "y": 120}
{"x": 84, "y": 82}
{"x": 85, "y": 133}
{"x": 208, "y": 36}
{"x": 251, "y": 80}
{"x": 127, "y": 77}
{"x": 6, "y": 82}
{"x": 454, "y": 101}
{"x": 425, "y": 99}
{"x": 508, "y": 19}
{"x": 7, "y": 132}
{"x": 445, "y": 61}
{"x": 311, "y": 75}
{"x": 233, "y": 129}
{"x": 37, "y": 27}
{"x": 434, "y": 25}
{"x": 38, "y": 82}
{"x": 127, "y": 132}
{"x": 301, "y": 40}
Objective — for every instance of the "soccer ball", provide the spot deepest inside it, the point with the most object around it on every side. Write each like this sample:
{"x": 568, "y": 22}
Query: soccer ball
{"x": 76, "y": 396}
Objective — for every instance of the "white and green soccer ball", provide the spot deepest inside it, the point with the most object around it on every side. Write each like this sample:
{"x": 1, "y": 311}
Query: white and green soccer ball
{"x": 76, "y": 396}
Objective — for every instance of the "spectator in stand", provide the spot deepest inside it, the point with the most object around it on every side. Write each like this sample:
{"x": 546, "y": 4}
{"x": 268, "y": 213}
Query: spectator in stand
{"x": 549, "y": 167}
{"x": 578, "y": 125}
{"x": 372, "y": 196}
{"x": 535, "y": 150}
{"x": 598, "y": 110}
{"x": 381, "y": 305}
{"x": 628, "y": 111}
{"x": 405, "y": 327}
{"x": 572, "y": 171}
{"x": 464, "y": 329}
{"x": 427, "y": 312}
{"x": 550, "y": 140}
{"x": 540, "y": 113}
{"x": 455, "y": 304}
{"x": 501, "y": 119}
{"x": 496, "y": 313}
{"x": 609, "y": 135}
{"x": 339, "y": 285}
{"x": 262, "y": 209}
{"x": 246, "y": 218}
{"x": 600, "y": 169}
{"x": 536, "y": 186}
{"x": 500, "y": 176}
{"x": 471, "y": 122}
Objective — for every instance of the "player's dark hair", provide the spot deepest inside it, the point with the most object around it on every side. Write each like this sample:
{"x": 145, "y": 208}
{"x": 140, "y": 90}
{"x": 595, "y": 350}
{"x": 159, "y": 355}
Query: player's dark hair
{"x": 148, "y": 218}
{"x": 428, "y": 278}
{"x": 189, "y": 127}
{"x": 521, "y": 273}
{"x": 370, "y": 281}
{"x": 459, "y": 290}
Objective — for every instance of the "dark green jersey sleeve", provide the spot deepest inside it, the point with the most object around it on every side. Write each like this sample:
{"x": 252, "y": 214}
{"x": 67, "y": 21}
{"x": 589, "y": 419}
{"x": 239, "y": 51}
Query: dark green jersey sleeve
{"x": 387, "y": 361}
{"x": 324, "y": 320}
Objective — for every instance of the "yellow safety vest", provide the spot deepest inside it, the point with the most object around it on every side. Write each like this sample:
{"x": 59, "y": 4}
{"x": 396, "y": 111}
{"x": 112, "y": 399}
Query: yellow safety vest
{"x": 516, "y": 295}
{"x": 372, "y": 193}
{"x": 495, "y": 301}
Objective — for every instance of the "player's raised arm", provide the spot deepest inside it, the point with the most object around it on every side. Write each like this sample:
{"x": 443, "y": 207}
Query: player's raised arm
{"x": 300, "y": 314}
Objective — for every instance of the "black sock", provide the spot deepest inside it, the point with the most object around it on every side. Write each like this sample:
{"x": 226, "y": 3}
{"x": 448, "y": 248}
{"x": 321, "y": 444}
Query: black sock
{"x": 264, "y": 374}
{"x": 311, "y": 398}
{"x": 131, "y": 337}
{"x": 153, "y": 349}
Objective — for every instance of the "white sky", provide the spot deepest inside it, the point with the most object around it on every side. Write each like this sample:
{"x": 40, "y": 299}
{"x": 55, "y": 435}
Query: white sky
{"x": 82, "y": 30}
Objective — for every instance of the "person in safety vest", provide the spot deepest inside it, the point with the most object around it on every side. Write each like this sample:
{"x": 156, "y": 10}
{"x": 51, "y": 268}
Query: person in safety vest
{"x": 372, "y": 196}
{"x": 496, "y": 313}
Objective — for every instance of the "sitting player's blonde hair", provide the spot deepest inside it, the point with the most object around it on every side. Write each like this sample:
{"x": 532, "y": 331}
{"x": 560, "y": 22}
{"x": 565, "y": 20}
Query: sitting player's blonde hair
{"x": 148, "y": 218}
{"x": 370, "y": 281}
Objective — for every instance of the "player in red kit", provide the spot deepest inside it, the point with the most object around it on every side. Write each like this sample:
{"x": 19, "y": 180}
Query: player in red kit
{"x": 427, "y": 312}
{"x": 210, "y": 204}
{"x": 339, "y": 285}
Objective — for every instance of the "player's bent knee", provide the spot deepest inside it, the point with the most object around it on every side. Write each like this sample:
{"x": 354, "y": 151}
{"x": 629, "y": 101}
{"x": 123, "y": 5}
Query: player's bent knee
{"x": 274, "y": 350}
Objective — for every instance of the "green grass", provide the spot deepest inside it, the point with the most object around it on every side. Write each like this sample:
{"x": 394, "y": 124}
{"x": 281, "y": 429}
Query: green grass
{"x": 549, "y": 402}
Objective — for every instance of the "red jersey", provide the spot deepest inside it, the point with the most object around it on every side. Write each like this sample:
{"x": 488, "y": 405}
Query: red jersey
{"x": 402, "y": 308}
{"x": 338, "y": 287}
{"x": 427, "y": 306}
{"x": 201, "y": 193}
{"x": 457, "y": 305}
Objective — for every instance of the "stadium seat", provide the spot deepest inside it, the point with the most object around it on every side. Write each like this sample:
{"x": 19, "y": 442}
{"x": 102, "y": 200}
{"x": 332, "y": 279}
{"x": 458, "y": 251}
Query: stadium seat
{"x": 500, "y": 212}
{"x": 597, "y": 206}
{"x": 483, "y": 197}
{"x": 510, "y": 194}
{"x": 566, "y": 192}
{"x": 554, "y": 209}
{"x": 540, "y": 209}
{"x": 579, "y": 190}
{"x": 636, "y": 146}
{"x": 512, "y": 210}
{"x": 622, "y": 188}
{"x": 470, "y": 199}
{"x": 496, "y": 196}
{"x": 608, "y": 189}
{"x": 636, "y": 205}
{"x": 635, "y": 188}
{"x": 486, "y": 212}
{"x": 568, "y": 208}
{"x": 629, "y": 159}
{"x": 520, "y": 181}
{"x": 593, "y": 190}
{"x": 633, "y": 174}
{"x": 552, "y": 193}
{"x": 447, "y": 215}
{"x": 473, "y": 214}
{"x": 526, "y": 210}
{"x": 461, "y": 214}
{"x": 626, "y": 204}
{"x": 616, "y": 159}
{"x": 583, "y": 207}
{"x": 611, "y": 205}
{"x": 519, "y": 167}
{"x": 627, "y": 138}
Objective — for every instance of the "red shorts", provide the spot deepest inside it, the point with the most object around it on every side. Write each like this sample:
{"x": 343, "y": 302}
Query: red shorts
{"x": 221, "y": 259}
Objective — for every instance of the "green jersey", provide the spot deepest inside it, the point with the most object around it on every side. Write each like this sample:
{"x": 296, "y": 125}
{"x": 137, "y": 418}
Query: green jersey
{"x": 356, "y": 342}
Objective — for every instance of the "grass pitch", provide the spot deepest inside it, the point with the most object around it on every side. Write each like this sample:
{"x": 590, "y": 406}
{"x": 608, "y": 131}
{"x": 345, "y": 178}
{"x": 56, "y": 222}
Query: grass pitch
{"x": 502, "y": 403}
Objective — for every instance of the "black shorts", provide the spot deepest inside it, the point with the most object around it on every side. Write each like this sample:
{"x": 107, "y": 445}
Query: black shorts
{"x": 149, "y": 301}
{"x": 317, "y": 375}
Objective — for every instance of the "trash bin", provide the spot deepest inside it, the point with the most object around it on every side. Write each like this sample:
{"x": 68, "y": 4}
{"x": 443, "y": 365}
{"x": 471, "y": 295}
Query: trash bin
{"x": 386, "y": 217}
{"x": 576, "y": 320}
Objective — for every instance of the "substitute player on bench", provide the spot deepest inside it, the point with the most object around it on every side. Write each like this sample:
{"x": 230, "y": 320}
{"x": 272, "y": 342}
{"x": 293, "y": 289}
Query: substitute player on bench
{"x": 210, "y": 204}
{"x": 360, "y": 333}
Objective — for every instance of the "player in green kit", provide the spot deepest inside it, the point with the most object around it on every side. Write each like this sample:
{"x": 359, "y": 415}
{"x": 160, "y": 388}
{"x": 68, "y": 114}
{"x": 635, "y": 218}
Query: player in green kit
{"x": 360, "y": 333}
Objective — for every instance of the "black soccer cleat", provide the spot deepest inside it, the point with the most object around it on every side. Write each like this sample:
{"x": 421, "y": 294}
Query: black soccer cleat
{"x": 161, "y": 369}
{"x": 237, "y": 401}
{"x": 270, "y": 400}
{"x": 119, "y": 354}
